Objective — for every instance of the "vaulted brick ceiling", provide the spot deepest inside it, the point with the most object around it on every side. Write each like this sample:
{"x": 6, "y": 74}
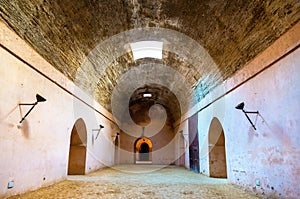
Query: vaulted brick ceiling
{"x": 232, "y": 32}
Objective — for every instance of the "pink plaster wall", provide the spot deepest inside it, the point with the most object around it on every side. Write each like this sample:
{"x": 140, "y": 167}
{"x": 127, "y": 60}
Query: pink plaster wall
{"x": 35, "y": 153}
{"x": 269, "y": 155}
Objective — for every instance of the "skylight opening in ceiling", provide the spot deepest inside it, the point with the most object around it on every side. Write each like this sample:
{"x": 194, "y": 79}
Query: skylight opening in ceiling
{"x": 147, "y": 95}
{"x": 149, "y": 49}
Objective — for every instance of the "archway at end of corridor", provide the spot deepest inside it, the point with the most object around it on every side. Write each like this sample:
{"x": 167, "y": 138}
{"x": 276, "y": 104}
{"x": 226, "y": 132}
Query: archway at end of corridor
{"x": 217, "y": 152}
{"x": 143, "y": 151}
{"x": 77, "y": 153}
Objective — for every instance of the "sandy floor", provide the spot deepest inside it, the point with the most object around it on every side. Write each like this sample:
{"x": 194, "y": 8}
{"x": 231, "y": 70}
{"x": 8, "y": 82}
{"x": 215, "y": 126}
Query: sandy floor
{"x": 140, "y": 182}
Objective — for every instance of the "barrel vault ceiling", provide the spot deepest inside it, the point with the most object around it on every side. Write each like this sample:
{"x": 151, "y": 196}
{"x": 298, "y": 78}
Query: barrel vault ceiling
{"x": 232, "y": 32}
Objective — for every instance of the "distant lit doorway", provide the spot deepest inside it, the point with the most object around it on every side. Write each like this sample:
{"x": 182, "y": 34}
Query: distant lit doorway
{"x": 143, "y": 151}
{"x": 217, "y": 152}
{"x": 77, "y": 153}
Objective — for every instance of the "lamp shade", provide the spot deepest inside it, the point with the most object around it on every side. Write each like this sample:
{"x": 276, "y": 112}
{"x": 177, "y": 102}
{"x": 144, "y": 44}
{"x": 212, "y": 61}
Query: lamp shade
{"x": 40, "y": 98}
{"x": 240, "y": 106}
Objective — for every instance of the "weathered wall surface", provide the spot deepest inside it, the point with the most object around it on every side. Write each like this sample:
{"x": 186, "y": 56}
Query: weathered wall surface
{"x": 265, "y": 160}
{"x": 271, "y": 153}
{"x": 35, "y": 153}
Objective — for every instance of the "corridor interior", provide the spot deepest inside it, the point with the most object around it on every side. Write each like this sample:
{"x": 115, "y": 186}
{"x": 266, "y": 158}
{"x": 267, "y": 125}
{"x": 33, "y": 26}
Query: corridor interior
{"x": 150, "y": 99}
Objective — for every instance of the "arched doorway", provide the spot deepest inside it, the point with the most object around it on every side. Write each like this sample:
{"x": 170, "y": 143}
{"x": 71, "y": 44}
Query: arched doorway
{"x": 217, "y": 152}
{"x": 143, "y": 151}
{"x": 117, "y": 149}
{"x": 194, "y": 143}
{"x": 77, "y": 154}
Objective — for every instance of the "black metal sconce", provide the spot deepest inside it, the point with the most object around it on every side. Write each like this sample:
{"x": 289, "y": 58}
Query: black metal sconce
{"x": 241, "y": 106}
{"x": 38, "y": 99}
{"x": 100, "y": 127}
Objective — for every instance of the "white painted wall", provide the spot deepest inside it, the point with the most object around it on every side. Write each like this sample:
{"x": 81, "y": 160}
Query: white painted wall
{"x": 35, "y": 153}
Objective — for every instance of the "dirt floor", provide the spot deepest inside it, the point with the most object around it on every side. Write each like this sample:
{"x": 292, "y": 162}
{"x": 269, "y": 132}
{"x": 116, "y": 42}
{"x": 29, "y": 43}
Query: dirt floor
{"x": 140, "y": 181}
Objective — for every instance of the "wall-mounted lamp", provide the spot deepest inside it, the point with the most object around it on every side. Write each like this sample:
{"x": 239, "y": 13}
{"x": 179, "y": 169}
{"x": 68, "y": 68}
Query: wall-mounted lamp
{"x": 100, "y": 127}
{"x": 38, "y": 99}
{"x": 241, "y": 106}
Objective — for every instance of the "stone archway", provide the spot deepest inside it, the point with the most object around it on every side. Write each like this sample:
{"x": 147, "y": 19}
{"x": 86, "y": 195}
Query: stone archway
{"x": 143, "y": 151}
{"x": 217, "y": 152}
{"x": 77, "y": 153}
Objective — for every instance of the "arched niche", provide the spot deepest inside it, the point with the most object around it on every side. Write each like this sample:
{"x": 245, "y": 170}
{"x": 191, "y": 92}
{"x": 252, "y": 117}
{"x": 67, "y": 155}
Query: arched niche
{"x": 143, "y": 151}
{"x": 117, "y": 145}
{"x": 217, "y": 151}
{"x": 77, "y": 153}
